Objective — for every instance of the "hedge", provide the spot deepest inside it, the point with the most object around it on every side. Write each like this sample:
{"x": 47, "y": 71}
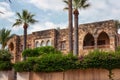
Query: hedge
{"x": 59, "y": 62}
{"x": 5, "y": 63}
{"x": 5, "y": 55}
{"x": 40, "y": 51}
{"x": 5, "y": 66}
{"x": 100, "y": 59}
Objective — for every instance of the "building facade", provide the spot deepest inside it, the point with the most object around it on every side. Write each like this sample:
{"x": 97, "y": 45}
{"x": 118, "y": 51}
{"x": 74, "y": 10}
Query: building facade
{"x": 99, "y": 35}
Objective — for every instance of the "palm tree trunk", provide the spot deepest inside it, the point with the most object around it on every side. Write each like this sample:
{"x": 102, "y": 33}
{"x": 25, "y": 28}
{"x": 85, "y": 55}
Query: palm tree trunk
{"x": 25, "y": 37}
{"x": 76, "y": 13}
{"x": 70, "y": 27}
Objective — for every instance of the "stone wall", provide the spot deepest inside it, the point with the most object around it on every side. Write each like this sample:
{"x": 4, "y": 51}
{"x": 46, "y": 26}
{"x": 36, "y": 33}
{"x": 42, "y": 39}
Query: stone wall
{"x": 87, "y": 74}
{"x": 59, "y": 38}
{"x": 109, "y": 27}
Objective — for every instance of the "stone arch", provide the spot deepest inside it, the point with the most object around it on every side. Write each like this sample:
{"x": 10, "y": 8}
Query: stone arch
{"x": 48, "y": 43}
{"x": 42, "y": 43}
{"x": 88, "y": 40}
{"x": 37, "y": 44}
{"x": 103, "y": 39}
{"x": 11, "y": 46}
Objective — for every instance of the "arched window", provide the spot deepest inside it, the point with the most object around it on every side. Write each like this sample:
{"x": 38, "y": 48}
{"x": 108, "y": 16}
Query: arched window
{"x": 48, "y": 43}
{"x": 63, "y": 45}
{"x": 11, "y": 46}
{"x": 88, "y": 40}
{"x": 103, "y": 39}
{"x": 37, "y": 44}
{"x": 42, "y": 43}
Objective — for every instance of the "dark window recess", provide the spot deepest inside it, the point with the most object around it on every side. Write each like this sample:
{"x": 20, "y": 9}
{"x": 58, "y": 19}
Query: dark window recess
{"x": 92, "y": 43}
{"x": 101, "y": 42}
{"x": 63, "y": 45}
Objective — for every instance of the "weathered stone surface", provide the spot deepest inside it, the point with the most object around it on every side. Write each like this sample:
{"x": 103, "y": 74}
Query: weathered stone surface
{"x": 104, "y": 35}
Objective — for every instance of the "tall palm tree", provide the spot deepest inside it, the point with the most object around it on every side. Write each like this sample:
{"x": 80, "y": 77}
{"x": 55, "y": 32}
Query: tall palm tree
{"x": 70, "y": 27}
{"x": 4, "y": 37}
{"x": 77, "y": 4}
{"x": 25, "y": 19}
{"x": 70, "y": 24}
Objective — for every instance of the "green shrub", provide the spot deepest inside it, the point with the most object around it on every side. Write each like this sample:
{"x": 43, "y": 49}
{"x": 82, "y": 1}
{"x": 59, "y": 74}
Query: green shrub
{"x": 30, "y": 53}
{"x": 59, "y": 62}
{"x": 5, "y": 55}
{"x": 6, "y": 65}
{"x": 40, "y": 51}
{"x": 101, "y": 59}
{"x": 55, "y": 62}
{"x": 25, "y": 66}
{"x": 47, "y": 63}
{"x": 48, "y": 50}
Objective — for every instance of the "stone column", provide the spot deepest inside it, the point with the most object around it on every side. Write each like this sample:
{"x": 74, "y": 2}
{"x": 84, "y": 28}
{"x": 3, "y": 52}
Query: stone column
{"x": 95, "y": 43}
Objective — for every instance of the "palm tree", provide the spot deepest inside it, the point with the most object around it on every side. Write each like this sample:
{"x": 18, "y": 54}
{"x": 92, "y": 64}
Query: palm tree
{"x": 25, "y": 19}
{"x": 70, "y": 24}
{"x": 77, "y": 4}
{"x": 4, "y": 37}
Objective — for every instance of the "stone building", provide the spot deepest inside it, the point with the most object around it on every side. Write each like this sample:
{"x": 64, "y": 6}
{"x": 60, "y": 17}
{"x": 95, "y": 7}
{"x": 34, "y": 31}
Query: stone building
{"x": 102, "y": 35}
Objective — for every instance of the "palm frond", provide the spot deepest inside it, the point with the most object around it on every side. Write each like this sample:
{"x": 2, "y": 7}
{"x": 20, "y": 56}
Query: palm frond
{"x": 25, "y": 18}
{"x": 66, "y": 2}
{"x": 17, "y": 23}
{"x": 19, "y": 15}
{"x": 4, "y": 37}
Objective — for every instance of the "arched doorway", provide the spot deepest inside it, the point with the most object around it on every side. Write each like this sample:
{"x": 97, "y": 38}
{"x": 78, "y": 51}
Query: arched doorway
{"x": 88, "y": 41}
{"x": 103, "y": 40}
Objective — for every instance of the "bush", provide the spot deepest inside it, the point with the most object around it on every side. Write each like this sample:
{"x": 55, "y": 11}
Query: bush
{"x": 25, "y": 66}
{"x": 40, "y": 51}
{"x": 30, "y": 53}
{"x": 101, "y": 59}
{"x": 47, "y": 63}
{"x": 5, "y": 55}
{"x": 54, "y": 62}
{"x": 58, "y": 62}
{"x": 48, "y": 50}
{"x": 4, "y": 66}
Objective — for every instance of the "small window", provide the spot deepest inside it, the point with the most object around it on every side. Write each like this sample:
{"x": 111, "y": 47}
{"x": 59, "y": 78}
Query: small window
{"x": 63, "y": 45}
{"x": 48, "y": 43}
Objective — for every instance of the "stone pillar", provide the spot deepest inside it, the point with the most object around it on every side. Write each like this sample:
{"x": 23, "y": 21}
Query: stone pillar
{"x": 95, "y": 43}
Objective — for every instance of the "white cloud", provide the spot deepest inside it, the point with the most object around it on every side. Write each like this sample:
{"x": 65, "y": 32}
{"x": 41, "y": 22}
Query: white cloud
{"x": 48, "y": 4}
{"x": 101, "y": 10}
{"x": 45, "y": 26}
{"x": 7, "y": 12}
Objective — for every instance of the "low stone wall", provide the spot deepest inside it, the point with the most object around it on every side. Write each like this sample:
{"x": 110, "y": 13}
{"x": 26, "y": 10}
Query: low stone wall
{"x": 6, "y": 75}
{"x": 89, "y": 74}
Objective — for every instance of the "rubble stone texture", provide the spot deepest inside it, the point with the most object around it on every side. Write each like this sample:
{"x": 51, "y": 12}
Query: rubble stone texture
{"x": 98, "y": 35}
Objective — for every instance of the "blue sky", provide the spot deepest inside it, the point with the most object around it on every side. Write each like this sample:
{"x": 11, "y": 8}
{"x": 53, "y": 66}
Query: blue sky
{"x": 50, "y": 13}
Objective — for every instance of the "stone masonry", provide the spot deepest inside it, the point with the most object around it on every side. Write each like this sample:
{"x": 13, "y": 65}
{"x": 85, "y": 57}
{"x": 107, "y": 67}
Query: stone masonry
{"x": 99, "y": 35}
